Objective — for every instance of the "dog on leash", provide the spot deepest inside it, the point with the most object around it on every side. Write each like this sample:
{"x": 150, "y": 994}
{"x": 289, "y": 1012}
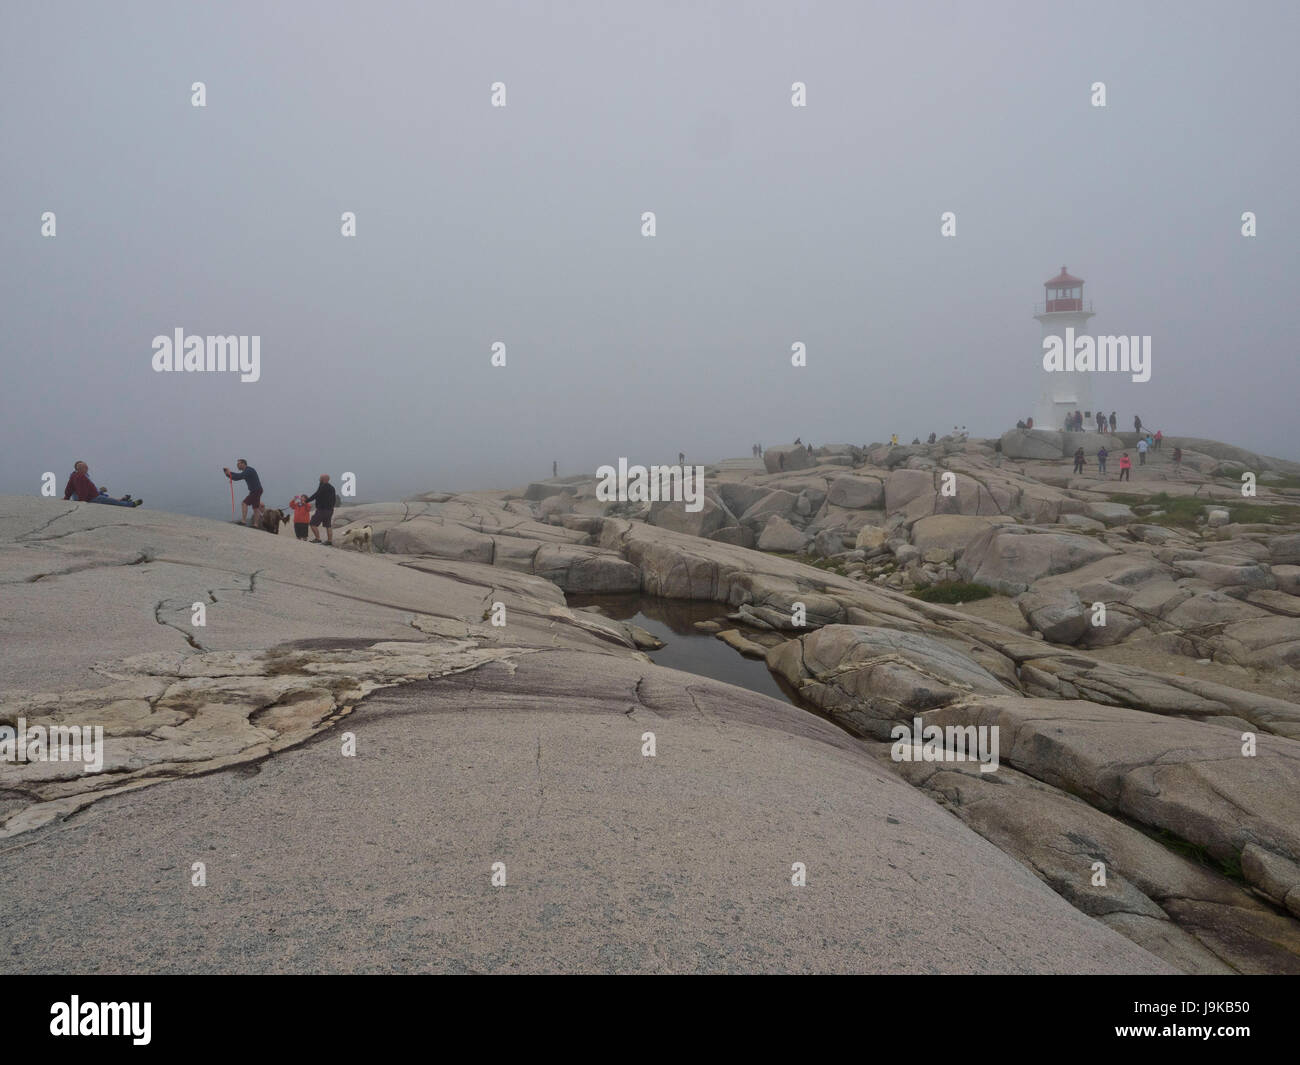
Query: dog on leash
{"x": 360, "y": 536}
{"x": 272, "y": 519}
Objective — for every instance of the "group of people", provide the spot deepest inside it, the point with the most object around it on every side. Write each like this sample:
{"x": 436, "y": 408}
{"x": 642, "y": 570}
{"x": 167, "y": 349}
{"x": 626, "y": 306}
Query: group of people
{"x": 756, "y": 450}
{"x": 1145, "y": 444}
{"x": 300, "y": 505}
{"x": 83, "y": 488}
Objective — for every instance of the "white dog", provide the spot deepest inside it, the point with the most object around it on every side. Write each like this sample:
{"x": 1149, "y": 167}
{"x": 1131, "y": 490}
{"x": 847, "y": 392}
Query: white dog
{"x": 360, "y": 535}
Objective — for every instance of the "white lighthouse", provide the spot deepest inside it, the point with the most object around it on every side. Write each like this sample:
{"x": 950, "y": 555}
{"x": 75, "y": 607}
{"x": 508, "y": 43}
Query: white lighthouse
{"x": 1063, "y": 392}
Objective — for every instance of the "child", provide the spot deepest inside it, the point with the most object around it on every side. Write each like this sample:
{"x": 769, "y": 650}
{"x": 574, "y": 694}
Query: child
{"x": 301, "y": 515}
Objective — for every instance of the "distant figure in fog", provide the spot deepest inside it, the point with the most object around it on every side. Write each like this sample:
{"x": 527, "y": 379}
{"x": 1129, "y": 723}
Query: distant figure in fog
{"x": 1078, "y": 460}
{"x": 1114, "y": 422}
{"x": 555, "y": 469}
{"x": 1102, "y": 456}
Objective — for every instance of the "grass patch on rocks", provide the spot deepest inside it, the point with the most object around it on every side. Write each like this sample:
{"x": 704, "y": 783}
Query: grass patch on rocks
{"x": 953, "y": 592}
{"x": 1179, "y": 512}
{"x": 1263, "y": 513}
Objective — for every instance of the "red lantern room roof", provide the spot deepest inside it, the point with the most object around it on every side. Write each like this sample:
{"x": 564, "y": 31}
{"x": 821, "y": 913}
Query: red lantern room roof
{"x": 1062, "y": 279}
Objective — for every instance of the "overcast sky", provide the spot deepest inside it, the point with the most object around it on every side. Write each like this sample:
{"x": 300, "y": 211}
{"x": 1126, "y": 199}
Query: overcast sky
{"x": 522, "y": 224}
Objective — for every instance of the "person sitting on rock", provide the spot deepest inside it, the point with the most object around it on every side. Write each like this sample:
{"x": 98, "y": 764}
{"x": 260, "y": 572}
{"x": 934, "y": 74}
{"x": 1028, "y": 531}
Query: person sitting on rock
{"x": 80, "y": 485}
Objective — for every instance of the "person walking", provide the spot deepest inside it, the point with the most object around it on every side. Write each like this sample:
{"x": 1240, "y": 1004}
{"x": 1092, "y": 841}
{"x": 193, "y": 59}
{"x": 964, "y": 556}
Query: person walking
{"x": 1078, "y": 460}
{"x": 254, "y": 484}
{"x": 1142, "y": 452}
{"x": 1178, "y": 460}
{"x": 1102, "y": 456}
{"x": 324, "y": 497}
{"x": 1125, "y": 467}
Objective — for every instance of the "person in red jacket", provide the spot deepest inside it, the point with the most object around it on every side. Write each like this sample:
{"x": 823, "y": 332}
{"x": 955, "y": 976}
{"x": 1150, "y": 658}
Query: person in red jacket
{"x": 80, "y": 485}
{"x": 1125, "y": 467}
{"x": 301, "y": 515}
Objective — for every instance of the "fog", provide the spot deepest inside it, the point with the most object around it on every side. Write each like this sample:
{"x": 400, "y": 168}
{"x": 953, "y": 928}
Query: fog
{"x": 523, "y": 225}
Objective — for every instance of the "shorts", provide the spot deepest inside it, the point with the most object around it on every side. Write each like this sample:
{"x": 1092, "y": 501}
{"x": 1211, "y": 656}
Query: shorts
{"x": 254, "y": 499}
{"x": 300, "y": 527}
{"x": 323, "y": 517}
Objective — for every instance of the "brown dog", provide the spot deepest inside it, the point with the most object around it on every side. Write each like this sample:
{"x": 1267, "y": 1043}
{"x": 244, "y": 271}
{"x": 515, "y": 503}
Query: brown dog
{"x": 272, "y": 519}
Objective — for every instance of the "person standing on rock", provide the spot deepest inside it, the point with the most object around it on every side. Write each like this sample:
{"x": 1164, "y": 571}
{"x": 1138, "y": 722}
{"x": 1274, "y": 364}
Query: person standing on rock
{"x": 254, "y": 498}
{"x": 555, "y": 469}
{"x": 1102, "y": 456}
{"x": 893, "y": 440}
{"x": 1178, "y": 460}
{"x": 1113, "y": 421}
{"x": 324, "y": 497}
{"x": 1137, "y": 424}
{"x": 1142, "y": 451}
{"x": 1125, "y": 467}
{"x": 1158, "y": 438}
{"x": 1078, "y": 460}
{"x": 1101, "y": 422}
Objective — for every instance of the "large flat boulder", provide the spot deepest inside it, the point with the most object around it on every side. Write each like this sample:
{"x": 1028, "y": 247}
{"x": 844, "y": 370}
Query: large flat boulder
{"x": 1010, "y": 559}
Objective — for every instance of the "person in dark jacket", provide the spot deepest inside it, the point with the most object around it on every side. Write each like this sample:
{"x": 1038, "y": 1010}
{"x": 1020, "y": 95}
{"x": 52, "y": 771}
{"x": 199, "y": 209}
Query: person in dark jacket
{"x": 81, "y": 486}
{"x": 324, "y": 497}
{"x": 1078, "y": 460}
{"x": 254, "y": 498}
{"x": 1102, "y": 456}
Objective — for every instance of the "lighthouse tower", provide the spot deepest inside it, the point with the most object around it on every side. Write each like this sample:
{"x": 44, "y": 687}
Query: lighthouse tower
{"x": 1063, "y": 392}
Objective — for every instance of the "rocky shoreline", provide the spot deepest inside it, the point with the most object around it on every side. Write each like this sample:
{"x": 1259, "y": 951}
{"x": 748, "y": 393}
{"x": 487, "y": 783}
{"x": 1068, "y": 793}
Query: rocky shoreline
{"x": 819, "y": 558}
